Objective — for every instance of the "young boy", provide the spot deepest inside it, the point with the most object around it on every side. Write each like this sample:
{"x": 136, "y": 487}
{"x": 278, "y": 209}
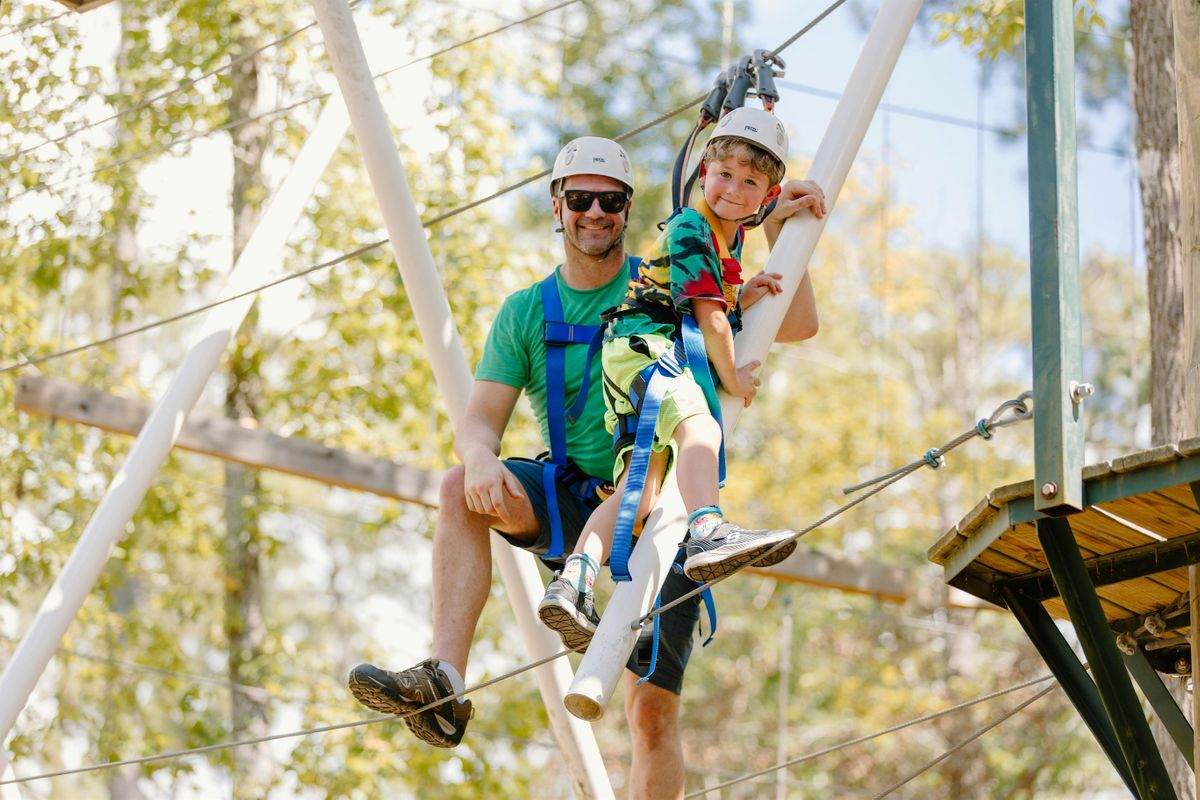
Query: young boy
{"x": 693, "y": 270}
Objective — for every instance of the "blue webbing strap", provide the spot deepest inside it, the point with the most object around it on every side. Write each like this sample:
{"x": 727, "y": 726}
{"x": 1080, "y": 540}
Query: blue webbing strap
{"x": 557, "y": 334}
{"x": 656, "y": 378}
{"x": 653, "y": 642}
{"x": 710, "y": 605}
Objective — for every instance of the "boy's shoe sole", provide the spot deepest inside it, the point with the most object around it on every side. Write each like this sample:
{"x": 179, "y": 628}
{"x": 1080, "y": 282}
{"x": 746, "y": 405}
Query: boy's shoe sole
{"x": 565, "y": 622}
{"x": 734, "y": 548}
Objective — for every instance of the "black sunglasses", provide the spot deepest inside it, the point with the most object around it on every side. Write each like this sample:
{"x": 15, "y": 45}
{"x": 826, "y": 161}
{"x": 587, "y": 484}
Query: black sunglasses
{"x": 580, "y": 200}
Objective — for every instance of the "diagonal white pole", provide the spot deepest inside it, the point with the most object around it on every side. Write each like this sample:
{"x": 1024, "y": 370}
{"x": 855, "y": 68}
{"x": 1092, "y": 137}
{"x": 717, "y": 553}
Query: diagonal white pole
{"x": 424, "y": 286}
{"x": 262, "y": 256}
{"x": 614, "y": 640}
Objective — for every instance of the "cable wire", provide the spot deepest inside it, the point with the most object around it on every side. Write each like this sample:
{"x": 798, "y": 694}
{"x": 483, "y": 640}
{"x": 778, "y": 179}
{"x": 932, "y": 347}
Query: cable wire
{"x": 233, "y": 124}
{"x": 994, "y": 723}
{"x": 859, "y": 740}
{"x": 366, "y": 248}
{"x": 33, "y": 24}
{"x": 152, "y": 100}
{"x": 274, "y": 737}
{"x": 933, "y": 458}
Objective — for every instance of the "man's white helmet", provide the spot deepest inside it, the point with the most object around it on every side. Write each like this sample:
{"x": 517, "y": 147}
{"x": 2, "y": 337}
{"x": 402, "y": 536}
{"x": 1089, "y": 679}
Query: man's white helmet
{"x": 592, "y": 155}
{"x": 755, "y": 125}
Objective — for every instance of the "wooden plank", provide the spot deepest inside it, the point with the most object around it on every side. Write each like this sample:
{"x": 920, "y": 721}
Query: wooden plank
{"x": 1156, "y": 512}
{"x": 230, "y": 441}
{"x": 1135, "y": 462}
{"x": 845, "y": 572}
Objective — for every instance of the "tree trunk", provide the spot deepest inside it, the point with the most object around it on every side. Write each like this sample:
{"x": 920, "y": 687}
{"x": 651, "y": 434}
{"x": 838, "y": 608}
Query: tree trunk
{"x": 1159, "y": 177}
{"x": 122, "y": 782}
{"x": 245, "y": 627}
{"x": 1157, "y": 142}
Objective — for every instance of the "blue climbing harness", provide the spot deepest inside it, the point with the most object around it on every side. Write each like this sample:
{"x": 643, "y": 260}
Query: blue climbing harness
{"x": 646, "y": 395}
{"x": 558, "y": 335}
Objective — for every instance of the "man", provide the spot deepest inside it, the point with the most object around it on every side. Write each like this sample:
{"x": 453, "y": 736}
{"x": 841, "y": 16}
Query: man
{"x": 591, "y": 193}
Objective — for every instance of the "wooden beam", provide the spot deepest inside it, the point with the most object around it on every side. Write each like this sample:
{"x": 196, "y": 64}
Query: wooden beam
{"x": 848, "y": 573}
{"x": 230, "y": 441}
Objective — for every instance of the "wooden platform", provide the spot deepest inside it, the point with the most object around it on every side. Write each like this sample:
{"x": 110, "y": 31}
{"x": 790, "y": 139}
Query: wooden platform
{"x": 1138, "y": 531}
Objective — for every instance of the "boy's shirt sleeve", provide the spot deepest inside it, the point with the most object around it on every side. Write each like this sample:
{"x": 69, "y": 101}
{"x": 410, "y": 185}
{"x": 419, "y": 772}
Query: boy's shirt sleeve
{"x": 505, "y": 354}
{"x": 695, "y": 267}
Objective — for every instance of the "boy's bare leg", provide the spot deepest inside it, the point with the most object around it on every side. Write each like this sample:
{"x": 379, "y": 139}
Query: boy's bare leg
{"x": 597, "y": 536}
{"x": 699, "y": 442}
{"x": 462, "y": 566}
{"x": 653, "y": 716}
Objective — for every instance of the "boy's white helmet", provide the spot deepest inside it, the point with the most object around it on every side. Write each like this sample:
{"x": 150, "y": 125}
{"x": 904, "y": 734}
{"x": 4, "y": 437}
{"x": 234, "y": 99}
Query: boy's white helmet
{"x": 592, "y": 155}
{"x": 757, "y": 126}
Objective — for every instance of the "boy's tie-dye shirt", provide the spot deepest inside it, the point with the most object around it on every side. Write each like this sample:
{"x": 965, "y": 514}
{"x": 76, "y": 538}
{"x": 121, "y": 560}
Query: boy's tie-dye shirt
{"x": 684, "y": 264}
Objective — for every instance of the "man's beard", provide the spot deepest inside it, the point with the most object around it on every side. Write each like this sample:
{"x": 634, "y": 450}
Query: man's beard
{"x": 596, "y": 250}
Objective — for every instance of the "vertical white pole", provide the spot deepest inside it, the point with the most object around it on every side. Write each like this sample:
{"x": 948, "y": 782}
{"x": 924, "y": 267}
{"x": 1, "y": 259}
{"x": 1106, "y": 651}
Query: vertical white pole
{"x": 262, "y": 256}
{"x": 602, "y": 664}
{"x": 453, "y": 375}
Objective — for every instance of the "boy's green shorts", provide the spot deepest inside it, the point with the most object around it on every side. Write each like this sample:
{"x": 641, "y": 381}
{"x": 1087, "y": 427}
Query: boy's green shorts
{"x": 622, "y": 360}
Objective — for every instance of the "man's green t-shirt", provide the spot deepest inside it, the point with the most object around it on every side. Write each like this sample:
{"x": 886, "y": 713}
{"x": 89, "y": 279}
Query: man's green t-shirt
{"x": 515, "y": 354}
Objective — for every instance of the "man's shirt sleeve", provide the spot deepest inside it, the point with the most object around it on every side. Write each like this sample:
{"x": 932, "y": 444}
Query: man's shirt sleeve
{"x": 505, "y": 353}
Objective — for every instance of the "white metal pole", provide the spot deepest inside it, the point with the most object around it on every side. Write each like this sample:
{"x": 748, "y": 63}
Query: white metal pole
{"x": 424, "y": 286}
{"x": 611, "y": 645}
{"x": 262, "y": 256}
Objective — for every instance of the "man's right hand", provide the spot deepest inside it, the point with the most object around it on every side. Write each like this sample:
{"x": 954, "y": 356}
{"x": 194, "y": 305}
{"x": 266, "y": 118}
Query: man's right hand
{"x": 490, "y": 487}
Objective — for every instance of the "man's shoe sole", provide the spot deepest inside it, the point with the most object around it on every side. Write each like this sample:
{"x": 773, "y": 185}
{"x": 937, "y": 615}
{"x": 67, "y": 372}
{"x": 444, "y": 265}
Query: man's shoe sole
{"x": 367, "y": 684}
{"x": 712, "y": 565}
{"x": 565, "y": 623}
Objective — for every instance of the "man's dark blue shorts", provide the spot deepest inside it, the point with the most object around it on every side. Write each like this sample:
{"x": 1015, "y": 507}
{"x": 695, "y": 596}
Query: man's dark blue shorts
{"x": 677, "y": 625}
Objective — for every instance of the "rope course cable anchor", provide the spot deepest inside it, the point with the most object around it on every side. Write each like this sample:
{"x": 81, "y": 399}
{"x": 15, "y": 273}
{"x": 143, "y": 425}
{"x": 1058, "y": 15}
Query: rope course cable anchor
{"x": 1020, "y": 411}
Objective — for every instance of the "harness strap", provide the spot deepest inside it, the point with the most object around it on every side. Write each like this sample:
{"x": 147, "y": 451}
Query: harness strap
{"x": 710, "y": 606}
{"x": 557, "y": 335}
{"x": 656, "y": 377}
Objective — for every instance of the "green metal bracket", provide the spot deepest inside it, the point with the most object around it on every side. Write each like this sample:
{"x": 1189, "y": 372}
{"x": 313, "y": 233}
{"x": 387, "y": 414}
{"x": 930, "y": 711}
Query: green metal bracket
{"x": 1163, "y": 703}
{"x": 1054, "y": 256}
{"x": 1071, "y": 675}
{"x": 1112, "y": 680}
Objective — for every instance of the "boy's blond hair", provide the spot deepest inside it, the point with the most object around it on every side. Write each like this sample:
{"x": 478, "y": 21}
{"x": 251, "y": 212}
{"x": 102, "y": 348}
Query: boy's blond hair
{"x": 747, "y": 152}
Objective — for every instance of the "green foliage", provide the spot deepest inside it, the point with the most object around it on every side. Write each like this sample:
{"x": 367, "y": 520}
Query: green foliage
{"x": 990, "y": 28}
{"x": 892, "y": 374}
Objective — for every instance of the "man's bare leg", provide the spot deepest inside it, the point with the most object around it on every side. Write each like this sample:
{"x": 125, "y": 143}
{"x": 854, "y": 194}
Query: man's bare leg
{"x": 462, "y": 566}
{"x": 653, "y": 716}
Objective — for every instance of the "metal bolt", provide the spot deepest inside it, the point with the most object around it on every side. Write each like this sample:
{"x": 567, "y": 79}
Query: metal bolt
{"x": 1080, "y": 391}
{"x": 1183, "y": 666}
{"x": 1049, "y": 489}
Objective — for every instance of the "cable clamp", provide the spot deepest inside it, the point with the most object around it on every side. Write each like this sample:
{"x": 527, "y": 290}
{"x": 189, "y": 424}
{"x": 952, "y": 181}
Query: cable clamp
{"x": 981, "y": 428}
{"x": 934, "y": 458}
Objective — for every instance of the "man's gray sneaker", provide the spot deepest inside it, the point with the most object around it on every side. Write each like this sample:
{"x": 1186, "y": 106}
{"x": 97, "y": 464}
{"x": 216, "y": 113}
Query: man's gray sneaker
{"x": 728, "y": 548}
{"x": 570, "y": 613}
{"x": 405, "y": 692}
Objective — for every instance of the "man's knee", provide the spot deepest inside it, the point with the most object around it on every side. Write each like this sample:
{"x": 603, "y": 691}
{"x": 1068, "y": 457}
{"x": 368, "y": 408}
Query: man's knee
{"x": 453, "y": 493}
{"x": 654, "y": 717}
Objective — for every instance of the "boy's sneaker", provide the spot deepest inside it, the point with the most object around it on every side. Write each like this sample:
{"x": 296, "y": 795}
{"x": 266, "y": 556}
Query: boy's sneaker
{"x": 570, "y": 613}
{"x": 729, "y": 548}
{"x": 405, "y": 692}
